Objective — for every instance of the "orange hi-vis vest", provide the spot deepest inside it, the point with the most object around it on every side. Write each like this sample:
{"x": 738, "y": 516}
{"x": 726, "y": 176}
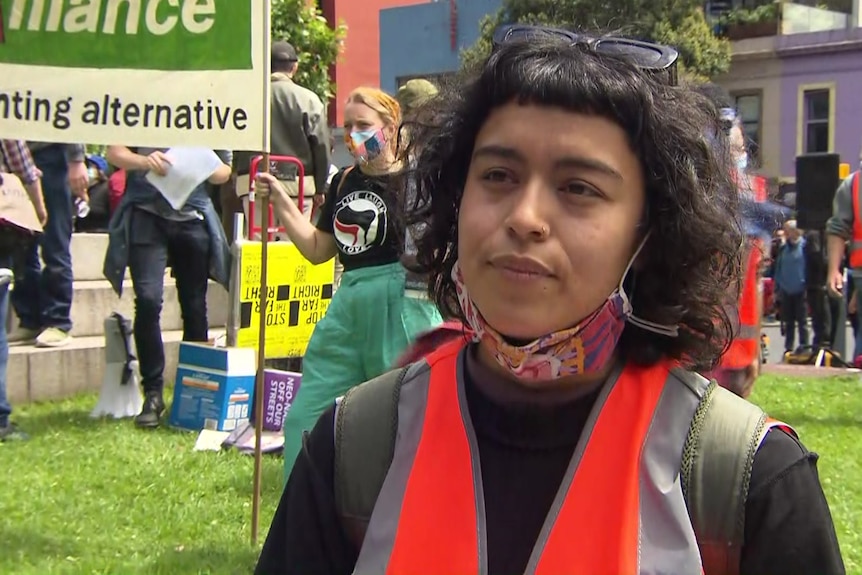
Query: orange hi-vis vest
{"x": 759, "y": 188}
{"x": 620, "y": 508}
{"x": 856, "y": 244}
{"x": 754, "y": 184}
{"x": 744, "y": 347}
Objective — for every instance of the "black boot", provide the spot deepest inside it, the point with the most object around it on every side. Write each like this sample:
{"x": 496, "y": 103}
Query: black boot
{"x": 154, "y": 405}
{"x": 10, "y": 432}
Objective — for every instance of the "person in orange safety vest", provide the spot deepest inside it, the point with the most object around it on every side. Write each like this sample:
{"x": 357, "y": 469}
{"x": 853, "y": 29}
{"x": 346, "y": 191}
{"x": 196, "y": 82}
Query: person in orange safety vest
{"x": 739, "y": 367}
{"x": 845, "y": 227}
{"x": 577, "y": 222}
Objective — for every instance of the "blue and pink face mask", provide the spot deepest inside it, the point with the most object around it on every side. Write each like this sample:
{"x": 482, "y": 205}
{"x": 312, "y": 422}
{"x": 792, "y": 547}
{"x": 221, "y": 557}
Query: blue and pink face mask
{"x": 366, "y": 145}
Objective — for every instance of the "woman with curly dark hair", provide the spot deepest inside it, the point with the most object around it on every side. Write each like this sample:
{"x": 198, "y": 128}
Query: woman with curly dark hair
{"x": 578, "y": 221}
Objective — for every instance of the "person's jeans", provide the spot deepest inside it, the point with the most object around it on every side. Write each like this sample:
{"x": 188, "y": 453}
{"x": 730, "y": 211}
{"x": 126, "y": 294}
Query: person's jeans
{"x": 43, "y": 296}
{"x": 857, "y": 332}
{"x": 833, "y": 314}
{"x": 152, "y": 240}
{"x": 5, "y": 408}
{"x": 819, "y": 317}
{"x": 794, "y": 315}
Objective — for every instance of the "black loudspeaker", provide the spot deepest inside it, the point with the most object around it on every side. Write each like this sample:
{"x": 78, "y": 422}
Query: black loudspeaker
{"x": 816, "y": 182}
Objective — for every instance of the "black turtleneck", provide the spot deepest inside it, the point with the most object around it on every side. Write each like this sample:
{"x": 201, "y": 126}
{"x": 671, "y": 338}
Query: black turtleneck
{"x": 525, "y": 448}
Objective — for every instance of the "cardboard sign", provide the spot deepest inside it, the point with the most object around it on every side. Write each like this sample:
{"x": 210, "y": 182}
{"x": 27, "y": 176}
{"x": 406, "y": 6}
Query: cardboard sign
{"x": 298, "y": 295}
{"x": 15, "y": 205}
{"x": 279, "y": 389}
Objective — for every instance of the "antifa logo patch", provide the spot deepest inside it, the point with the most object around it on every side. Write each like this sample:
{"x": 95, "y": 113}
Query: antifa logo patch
{"x": 360, "y": 222}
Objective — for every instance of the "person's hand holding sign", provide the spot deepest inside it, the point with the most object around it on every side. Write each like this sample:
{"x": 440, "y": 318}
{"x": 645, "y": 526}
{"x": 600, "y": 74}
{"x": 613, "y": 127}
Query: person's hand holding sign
{"x": 41, "y": 212}
{"x": 315, "y": 245}
{"x": 158, "y": 163}
{"x": 265, "y": 184}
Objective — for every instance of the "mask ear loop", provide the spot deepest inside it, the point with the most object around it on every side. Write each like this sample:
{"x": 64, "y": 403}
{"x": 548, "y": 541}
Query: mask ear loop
{"x": 657, "y": 328}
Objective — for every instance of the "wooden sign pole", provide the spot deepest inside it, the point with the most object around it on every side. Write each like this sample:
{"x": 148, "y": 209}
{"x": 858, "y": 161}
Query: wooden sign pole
{"x": 261, "y": 357}
{"x": 257, "y": 409}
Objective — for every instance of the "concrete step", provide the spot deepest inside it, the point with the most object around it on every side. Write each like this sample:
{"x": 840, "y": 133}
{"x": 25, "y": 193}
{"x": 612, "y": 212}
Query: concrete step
{"x": 37, "y": 374}
{"x": 88, "y": 255}
{"x": 44, "y": 374}
{"x": 93, "y": 301}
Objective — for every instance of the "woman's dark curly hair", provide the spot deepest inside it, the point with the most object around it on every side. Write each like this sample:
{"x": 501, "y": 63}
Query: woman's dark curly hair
{"x": 690, "y": 269}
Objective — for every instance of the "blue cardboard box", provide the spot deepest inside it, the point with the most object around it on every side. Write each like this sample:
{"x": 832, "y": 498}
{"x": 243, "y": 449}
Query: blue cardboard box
{"x": 213, "y": 387}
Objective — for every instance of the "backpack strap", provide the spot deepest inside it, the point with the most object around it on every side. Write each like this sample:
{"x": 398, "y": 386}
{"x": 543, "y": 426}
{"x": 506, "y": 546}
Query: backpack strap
{"x": 343, "y": 177}
{"x": 366, "y": 423}
{"x": 716, "y": 469}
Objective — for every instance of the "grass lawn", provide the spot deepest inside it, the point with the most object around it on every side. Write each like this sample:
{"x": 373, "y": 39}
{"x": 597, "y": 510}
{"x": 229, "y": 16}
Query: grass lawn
{"x": 90, "y": 497}
{"x": 87, "y": 497}
{"x": 827, "y": 414}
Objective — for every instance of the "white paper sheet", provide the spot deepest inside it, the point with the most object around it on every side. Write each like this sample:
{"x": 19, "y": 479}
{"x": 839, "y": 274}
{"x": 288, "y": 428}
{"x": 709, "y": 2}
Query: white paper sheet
{"x": 243, "y": 438}
{"x": 189, "y": 167}
{"x": 210, "y": 440}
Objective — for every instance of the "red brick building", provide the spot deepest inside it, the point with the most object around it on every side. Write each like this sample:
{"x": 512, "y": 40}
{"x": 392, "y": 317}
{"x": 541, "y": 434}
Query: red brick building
{"x": 359, "y": 64}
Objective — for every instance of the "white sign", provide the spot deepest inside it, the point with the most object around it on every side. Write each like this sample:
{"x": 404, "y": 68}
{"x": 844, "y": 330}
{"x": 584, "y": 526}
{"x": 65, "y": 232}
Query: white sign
{"x": 153, "y": 73}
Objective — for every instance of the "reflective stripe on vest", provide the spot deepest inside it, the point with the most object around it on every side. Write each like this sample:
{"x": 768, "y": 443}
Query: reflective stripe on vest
{"x": 856, "y": 244}
{"x": 758, "y": 188}
{"x": 619, "y": 509}
{"x": 746, "y": 342}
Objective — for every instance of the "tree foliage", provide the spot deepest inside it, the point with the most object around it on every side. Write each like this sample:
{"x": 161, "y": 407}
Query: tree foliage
{"x": 679, "y": 23}
{"x": 318, "y": 46}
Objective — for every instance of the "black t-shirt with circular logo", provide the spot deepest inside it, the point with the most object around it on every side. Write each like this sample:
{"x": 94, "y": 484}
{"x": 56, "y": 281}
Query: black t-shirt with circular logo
{"x": 361, "y": 213}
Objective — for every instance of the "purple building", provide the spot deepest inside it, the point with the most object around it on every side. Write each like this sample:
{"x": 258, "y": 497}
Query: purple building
{"x": 821, "y": 96}
{"x": 800, "y": 91}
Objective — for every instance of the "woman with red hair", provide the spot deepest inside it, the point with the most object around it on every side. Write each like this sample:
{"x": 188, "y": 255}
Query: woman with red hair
{"x": 375, "y": 313}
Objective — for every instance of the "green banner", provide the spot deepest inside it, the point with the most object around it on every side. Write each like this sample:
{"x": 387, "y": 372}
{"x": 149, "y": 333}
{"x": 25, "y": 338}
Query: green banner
{"x": 171, "y": 35}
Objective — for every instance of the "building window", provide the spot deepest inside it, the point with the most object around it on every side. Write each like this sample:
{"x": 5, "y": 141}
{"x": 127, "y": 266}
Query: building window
{"x": 815, "y": 121}
{"x": 748, "y": 108}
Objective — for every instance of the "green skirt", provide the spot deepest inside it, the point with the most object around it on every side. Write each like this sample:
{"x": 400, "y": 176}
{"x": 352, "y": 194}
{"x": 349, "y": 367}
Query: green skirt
{"x": 370, "y": 322}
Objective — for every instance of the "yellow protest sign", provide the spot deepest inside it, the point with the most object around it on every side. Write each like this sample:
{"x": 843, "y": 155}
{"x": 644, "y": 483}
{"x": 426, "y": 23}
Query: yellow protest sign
{"x": 298, "y": 294}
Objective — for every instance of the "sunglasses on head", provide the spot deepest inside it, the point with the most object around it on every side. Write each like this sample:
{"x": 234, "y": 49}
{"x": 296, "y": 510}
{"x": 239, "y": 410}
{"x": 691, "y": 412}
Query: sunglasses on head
{"x": 647, "y": 56}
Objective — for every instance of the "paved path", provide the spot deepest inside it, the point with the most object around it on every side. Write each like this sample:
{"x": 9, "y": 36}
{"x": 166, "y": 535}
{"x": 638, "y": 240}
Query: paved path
{"x": 776, "y": 341}
{"x": 809, "y": 371}
{"x": 776, "y": 352}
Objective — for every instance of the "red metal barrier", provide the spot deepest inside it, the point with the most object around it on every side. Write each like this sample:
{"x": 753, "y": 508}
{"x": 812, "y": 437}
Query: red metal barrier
{"x": 274, "y": 162}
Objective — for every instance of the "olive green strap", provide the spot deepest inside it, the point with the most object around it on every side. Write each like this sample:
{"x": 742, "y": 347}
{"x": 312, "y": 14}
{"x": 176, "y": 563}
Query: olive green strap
{"x": 716, "y": 470}
{"x": 366, "y": 423}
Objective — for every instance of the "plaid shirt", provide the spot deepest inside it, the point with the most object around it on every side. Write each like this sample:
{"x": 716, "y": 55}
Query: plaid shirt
{"x": 15, "y": 158}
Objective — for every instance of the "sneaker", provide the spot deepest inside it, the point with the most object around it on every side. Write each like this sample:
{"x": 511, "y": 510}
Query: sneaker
{"x": 154, "y": 405}
{"x": 11, "y": 433}
{"x": 857, "y": 361}
{"x": 23, "y": 336}
{"x": 53, "y": 337}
